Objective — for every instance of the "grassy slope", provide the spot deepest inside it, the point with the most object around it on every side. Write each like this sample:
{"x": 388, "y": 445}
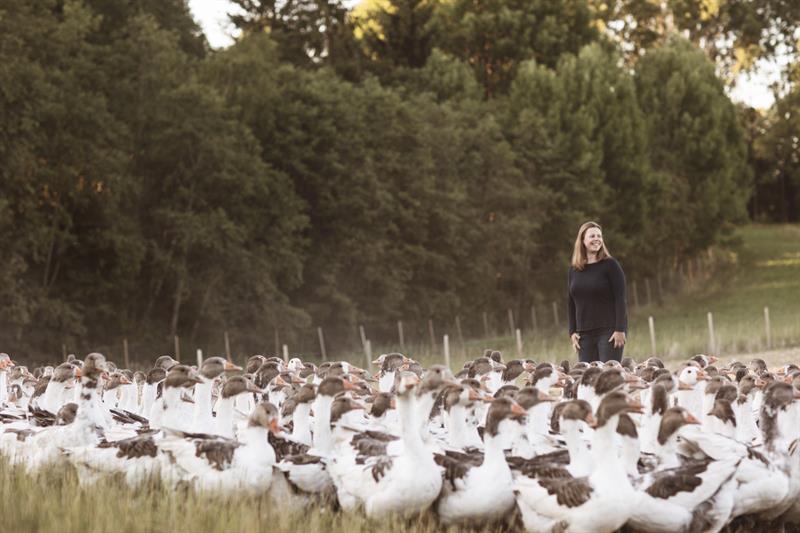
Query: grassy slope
{"x": 763, "y": 271}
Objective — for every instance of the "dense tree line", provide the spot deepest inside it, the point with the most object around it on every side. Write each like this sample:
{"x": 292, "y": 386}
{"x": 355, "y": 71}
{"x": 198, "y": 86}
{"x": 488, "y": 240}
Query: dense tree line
{"x": 404, "y": 160}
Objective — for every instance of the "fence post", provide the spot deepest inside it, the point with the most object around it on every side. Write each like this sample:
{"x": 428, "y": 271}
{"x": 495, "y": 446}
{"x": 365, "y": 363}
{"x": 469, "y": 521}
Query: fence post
{"x": 652, "y": 334}
{"x": 285, "y": 354}
{"x": 766, "y": 325}
{"x": 125, "y": 353}
{"x": 511, "y": 321}
{"x": 227, "y": 346}
{"x": 446, "y": 343}
{"x": 400, "y": 335}
{"x": 199, "y": 358}
{"x": 363, "y": 334}
{"x": 555, "y": 313}
{"x": 460, "y": 336}
{"x": 711, "y": 338}
{"x": 519, "y": 342}
{"x": 177, "y": 348}
{"x": 368, "y": 354}
{"x": 322, "y": 343}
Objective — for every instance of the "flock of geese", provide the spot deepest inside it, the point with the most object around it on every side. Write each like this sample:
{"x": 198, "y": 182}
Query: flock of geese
{"x": 581, "y": 447}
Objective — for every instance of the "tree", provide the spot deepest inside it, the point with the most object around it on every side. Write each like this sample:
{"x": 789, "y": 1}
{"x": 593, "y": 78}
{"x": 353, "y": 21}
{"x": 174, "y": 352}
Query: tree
{"x": 695, "y": 140}
{"x": 496, "y": 36}
{"x": 399, "y": 33}
{"x": 733, "y": 34}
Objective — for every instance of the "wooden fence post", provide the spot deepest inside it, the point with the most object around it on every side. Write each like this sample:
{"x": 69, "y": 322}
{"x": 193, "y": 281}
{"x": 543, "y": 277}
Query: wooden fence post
{"x": 227, "y": 347}
{"x": 322, "y": 343}
{"x": 363, "y": 334}
{"x": 199, "y": 358}
{"x": 519, "y": 342}
{"x": 446, "y": 344}
{"x": 368, "y": 354}
{"x": 766, "y": 326}
{"x": 400, "y": 335}
{"x": 125, "y": 353}
{"x": 652, "y": 334}
{"x": 712, "y": 346}
{"x": 460, "y": 336}
{"x": 285, "y": 354}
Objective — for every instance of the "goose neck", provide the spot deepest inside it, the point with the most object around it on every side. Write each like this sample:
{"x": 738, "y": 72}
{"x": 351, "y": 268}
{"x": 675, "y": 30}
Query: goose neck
{"x": 323, "y": 438}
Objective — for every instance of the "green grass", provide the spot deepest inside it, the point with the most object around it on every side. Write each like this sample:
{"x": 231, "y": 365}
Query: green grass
{"x": 763, "y": 271}
{"x": 54, "y": 502}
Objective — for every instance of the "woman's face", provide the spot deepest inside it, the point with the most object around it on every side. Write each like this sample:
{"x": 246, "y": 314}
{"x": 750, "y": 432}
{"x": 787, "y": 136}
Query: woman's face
{"x": 593, "y": 240}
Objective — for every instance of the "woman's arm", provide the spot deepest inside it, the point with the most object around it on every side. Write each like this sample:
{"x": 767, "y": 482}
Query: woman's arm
{"x": 573, "y": 325}
{"x": 574, "y": 338}
{"x": 617, "y": 278}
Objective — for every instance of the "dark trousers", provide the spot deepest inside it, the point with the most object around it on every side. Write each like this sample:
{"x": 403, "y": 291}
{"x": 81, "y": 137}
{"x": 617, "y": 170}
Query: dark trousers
{"x": 595, "y": 346}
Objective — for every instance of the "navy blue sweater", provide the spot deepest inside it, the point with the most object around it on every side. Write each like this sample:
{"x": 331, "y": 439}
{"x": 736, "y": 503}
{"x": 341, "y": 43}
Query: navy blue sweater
{"x": 597, "y": 297}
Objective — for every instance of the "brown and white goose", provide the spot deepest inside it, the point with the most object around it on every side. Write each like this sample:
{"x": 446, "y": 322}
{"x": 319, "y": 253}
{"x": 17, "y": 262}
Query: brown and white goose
{"x": 601, "y": 502}
{"x": 478, "y": 494}
{"x": 216, "y": 464}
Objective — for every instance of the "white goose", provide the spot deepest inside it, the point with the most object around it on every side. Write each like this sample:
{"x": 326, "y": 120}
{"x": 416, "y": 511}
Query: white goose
{"x": 481, "y": 494}
{"x": 601, "y": 502}
{"x": 215, "y": 464}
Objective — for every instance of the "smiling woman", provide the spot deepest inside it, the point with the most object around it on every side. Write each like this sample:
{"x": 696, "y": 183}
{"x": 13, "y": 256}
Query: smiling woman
{"x": 598, "y": 318}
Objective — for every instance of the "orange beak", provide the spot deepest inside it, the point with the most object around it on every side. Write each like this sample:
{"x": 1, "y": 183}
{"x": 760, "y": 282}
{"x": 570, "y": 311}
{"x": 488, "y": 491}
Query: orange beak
{"x": 230, "y": 366}
{"x": 517, "y": 409}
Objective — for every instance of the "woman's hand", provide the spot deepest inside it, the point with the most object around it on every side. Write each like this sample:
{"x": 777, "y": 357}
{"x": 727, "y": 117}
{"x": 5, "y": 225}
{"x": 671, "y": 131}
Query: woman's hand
{"x": 575, "y": 339}
{"x": 618, "y": 338}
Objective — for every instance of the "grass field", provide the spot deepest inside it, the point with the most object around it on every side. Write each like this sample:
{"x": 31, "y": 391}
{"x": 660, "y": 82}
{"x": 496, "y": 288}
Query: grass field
{"x": 762, "y": 271}
{"x": 53, "y": 502}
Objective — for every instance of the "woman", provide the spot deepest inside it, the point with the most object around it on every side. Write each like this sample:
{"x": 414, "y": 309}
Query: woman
{"x": 598, "y": 317}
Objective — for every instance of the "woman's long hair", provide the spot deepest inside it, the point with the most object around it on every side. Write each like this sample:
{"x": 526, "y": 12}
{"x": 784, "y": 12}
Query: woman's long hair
{"x": 579, "y": 255}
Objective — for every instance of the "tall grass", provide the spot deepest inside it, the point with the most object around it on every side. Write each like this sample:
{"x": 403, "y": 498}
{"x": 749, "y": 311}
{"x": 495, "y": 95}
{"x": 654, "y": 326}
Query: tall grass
{"x": 53, "y": 501}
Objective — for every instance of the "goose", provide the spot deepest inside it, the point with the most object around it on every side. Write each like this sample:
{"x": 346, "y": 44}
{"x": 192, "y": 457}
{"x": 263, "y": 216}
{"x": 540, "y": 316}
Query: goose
{"x": 697, "y": 496}
{"x": 690, "y": 390}
{"x": 5, "y": 364}
{"x": 389, "y": 365}
{"x": 224, "y": 424}
{"x": 537, "y": 438}
{"x": 211, "y": 369}
{"x": 481, "y": 494}
{"x": 305, "y": 474}
{"x": 746, "y": 427}
{"x": 155, "y": 377}
{"x": 603, "y": 501}
{"x": 458, "y": 401}
{"x": 219, "y": 465}
{"x": 404, "y": 484}
{"x": 55, "y": 394}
